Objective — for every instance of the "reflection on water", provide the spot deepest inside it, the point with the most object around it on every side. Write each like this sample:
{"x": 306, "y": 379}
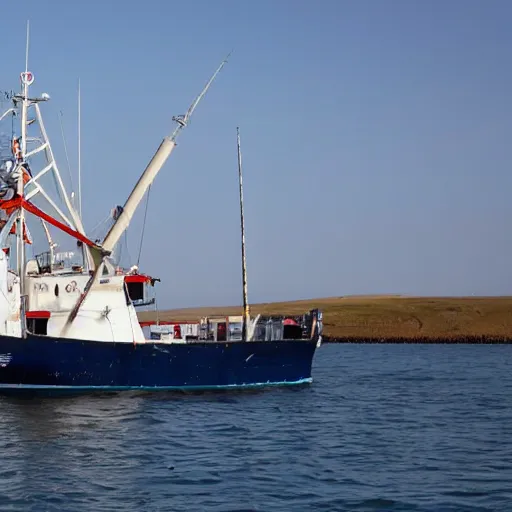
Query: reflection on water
{"x": 52, "y": 417}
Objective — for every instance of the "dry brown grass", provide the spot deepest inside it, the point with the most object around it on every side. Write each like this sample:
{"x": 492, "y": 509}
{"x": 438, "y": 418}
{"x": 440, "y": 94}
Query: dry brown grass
{"x": 385, "y": 316}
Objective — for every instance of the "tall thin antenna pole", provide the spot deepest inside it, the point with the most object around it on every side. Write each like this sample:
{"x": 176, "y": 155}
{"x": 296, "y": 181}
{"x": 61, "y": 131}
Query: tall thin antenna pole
{"x": 26, "y": 80}
{"x": 27, "y": 45}
{"x": 67, "y": 157}
{"x": 84, "y": 248}
{"x": 79, "y": 156}
{"x": 245, "y": 322}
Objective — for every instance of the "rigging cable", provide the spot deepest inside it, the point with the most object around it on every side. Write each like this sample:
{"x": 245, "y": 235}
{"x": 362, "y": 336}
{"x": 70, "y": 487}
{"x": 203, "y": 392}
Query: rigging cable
{"x": 143, "y": 225}
{"x": 66, "y": 152}
{"x": 100, "y": 224}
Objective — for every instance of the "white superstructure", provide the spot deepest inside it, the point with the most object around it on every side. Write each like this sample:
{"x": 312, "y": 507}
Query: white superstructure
{"x": 91, "y": 300}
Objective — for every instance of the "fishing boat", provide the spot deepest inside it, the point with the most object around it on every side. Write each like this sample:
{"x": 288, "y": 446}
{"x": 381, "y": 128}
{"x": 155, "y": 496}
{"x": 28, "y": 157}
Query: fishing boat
{"x": 75, "y": 328}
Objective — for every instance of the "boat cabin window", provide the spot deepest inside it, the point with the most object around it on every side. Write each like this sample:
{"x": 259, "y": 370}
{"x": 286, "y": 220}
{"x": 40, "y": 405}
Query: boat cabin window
{"x": 135, "y": 290}
{"x": 44, "y": 261}
{"x": 37, "y": 322}
{"x": 37, "y": 325}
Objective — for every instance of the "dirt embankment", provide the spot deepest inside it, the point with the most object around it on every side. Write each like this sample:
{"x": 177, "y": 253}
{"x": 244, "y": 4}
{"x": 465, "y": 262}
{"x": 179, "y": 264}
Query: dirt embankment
{"x": 388, "y": 318}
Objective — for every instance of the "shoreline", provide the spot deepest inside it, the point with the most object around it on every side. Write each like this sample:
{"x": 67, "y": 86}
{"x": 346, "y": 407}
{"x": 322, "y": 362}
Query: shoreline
{"x": 384, "y": 319}
{"x": 455, "y": 340}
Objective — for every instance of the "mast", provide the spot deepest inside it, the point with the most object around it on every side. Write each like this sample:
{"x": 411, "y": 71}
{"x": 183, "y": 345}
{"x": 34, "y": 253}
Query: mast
{"x": 245, "y": 322}
{"x": 79, "y": 156}
{"x": 85, "y": 251}
{"x": 26, "y": 80}
{"x": 22, "y": 154}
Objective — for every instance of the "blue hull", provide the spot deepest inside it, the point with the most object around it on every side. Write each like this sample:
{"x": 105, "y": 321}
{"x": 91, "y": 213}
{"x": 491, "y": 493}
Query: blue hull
{"x": 41, "y": 363}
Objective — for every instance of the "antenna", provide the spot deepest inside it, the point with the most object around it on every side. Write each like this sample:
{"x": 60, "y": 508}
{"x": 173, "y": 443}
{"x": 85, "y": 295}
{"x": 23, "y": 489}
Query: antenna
{"x": 244, "y": 269}
{"x": 184, "y": 119}
{"x": 27, "y": 46}
{"x": 26, "y": 80}
{"x": 84, "y": 248}
{"x": 66, "y": 153}
{"x": 79, "y": 156}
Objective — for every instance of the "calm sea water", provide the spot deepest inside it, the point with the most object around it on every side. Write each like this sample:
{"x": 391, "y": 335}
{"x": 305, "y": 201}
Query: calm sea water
{"x": 383, "y": 427}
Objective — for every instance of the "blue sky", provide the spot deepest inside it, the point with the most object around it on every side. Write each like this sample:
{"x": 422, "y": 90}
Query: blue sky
{"x": 374, "y": 139}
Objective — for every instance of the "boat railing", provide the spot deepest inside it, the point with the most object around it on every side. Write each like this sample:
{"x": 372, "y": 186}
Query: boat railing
{"x": 229, "y": 328}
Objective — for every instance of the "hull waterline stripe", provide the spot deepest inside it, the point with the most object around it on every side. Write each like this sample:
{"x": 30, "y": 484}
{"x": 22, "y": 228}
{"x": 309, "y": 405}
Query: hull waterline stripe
{"x": 42, "y": 387}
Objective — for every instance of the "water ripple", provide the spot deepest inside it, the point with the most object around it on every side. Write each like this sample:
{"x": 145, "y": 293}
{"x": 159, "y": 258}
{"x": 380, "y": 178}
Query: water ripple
{"x": 382, "y": 428}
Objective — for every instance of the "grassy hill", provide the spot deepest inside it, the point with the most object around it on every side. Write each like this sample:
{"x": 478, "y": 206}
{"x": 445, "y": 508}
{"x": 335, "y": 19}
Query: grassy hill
{"x": 385, "y": 316}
